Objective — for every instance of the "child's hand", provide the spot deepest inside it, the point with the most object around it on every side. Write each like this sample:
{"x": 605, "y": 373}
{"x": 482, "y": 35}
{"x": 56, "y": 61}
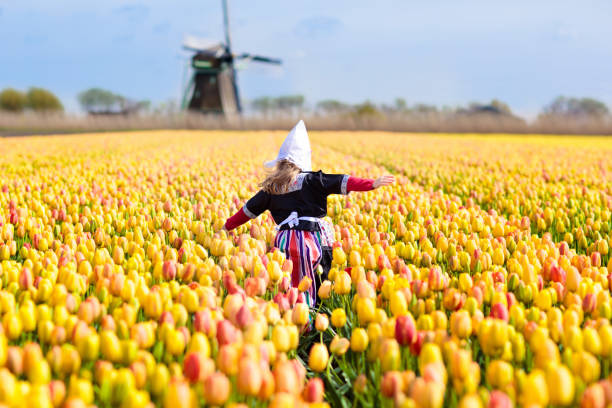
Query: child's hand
{"x": 383, "y": 181}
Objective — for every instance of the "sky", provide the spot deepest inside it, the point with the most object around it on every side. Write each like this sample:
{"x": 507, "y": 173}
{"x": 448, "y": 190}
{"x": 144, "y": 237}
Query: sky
{"x": 439, "y": 52}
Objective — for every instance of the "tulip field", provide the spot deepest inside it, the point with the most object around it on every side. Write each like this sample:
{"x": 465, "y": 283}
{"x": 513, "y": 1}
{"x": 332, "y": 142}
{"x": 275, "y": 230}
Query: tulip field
{"x": 481, "y": 278}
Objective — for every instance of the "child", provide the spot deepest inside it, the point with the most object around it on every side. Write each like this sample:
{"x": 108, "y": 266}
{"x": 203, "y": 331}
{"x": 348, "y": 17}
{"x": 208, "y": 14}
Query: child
{"x": 297, "y": 199}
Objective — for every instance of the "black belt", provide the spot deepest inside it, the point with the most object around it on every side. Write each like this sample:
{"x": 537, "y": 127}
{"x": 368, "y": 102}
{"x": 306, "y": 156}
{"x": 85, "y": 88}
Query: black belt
{"x": 302, "y": 225}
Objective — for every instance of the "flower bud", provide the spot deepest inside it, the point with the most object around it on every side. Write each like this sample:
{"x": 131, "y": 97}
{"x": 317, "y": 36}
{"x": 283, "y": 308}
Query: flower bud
{"x": 179, "y": 395}
{"x": 359, "y": 340}
{"x": 249, "y": 377}
{"x": 321, "y": 322}
{"x": 318, "y": 357}
{"x": 339, "y": 345}
{"x": 300, "y": 314}
{"x": 405, "y": 330}
{"x": 338, "y": 318}
{"x": 391, "y": 384}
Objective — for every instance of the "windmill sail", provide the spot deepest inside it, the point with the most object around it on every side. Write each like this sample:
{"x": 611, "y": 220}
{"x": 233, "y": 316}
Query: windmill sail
{"x": 213, "y": 86}
{"x": 226, "y": 27}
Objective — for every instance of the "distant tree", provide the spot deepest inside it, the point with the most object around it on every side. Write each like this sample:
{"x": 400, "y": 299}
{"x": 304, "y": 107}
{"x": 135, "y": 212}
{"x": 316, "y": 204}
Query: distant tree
{"x": 262, "y": 105}
{"x": 424, "y": 108}
{"x": 288, "y": 103}
{"x": 332, "y": 107}
{"x": 99, "y": 100}
{"x": 145, "y": 105}
{"x": 495, "y": 107}
{"x": 41, "y": 100}
{"x": 558, "y": 106}
{"x": 366, "y": 108}
{"x": 400, "y": 104}
{"x": 12, "y": 100}
{"x": 562, "y": 106}
{"x": 501, "y": 107}
{"x": 169, "y": 107}
{"x": 593, "y": 107}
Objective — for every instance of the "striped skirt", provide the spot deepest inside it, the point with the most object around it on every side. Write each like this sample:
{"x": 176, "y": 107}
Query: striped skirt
{"x": 304, "y": 250}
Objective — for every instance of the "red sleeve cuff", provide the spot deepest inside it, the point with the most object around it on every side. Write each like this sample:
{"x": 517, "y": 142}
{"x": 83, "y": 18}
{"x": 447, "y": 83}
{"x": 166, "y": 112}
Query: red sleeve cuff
{"x": 236, "y": 220}
{"x": 359, "y": 184}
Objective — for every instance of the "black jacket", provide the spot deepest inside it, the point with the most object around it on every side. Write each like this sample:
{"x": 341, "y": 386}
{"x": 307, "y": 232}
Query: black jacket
{"x": 307, "y": 196}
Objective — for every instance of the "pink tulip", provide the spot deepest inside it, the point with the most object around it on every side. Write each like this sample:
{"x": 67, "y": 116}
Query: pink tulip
{"x": 244, "y": 317}
{"x": 498, "y": 399}
{"x": 169, "y": 270}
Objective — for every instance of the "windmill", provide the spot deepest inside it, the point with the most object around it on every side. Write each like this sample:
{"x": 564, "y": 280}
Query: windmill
{"x": 212, "y": 87}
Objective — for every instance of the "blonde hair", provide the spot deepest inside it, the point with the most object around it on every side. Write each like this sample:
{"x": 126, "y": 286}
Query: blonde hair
{"x": 280, "y": 178}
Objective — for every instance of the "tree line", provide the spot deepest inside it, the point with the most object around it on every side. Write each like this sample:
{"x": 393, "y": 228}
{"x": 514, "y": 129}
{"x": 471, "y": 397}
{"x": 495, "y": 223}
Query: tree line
{"x": 93, "y": 101}
{"x": 100, "y": 101}
{"x": 561, "y": 106}
{"x": 35, "y": 99}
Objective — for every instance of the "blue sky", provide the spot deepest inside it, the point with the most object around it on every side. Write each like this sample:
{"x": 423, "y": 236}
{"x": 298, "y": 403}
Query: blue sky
{"x": 440, "y": 52}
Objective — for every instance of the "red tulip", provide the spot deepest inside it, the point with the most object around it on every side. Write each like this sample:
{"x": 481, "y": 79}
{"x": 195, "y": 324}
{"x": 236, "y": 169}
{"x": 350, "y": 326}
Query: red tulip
{"x": 166, "y": 317}
{"x": 188, "y": 272}
{"x": 563, "y": 248}
{"x": 391, "y": 384}
{"x": 588, "y": 303}
{"x": 169, "y": 270}
{"x": 405, "y": 330}
{"x": 25, "y": 279}
{"x": 244, "y": 317}
{"x": 510, "y": 299}
{"x": 314, "y": 390}
{"x": 596, "y": 259}
{"x": 285, "y": 284}
{"x": 292, "y": 296}
{"x": 499, "y": 311}
{"x": 226, "y": 332}
{"x": 416, "y": 346}
{"x": 203, "y": 321}
{"x": 498, "y": 277}
{"x": 383, "y": 262}
{"x": 196, "y": 366}
{"x": 282, "y": 302}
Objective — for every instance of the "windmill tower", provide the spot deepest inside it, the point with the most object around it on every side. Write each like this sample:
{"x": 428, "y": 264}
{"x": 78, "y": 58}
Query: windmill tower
{"x": 212, "y": 87}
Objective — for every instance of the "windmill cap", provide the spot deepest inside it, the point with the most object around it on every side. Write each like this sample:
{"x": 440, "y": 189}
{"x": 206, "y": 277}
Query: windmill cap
{"x": 295, "y": 148}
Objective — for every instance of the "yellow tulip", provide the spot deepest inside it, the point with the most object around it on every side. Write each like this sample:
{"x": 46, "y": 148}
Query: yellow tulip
{"x": 359, "y": 340}
{"x": 338, "y": 318}
{"x": 318, "y": 357}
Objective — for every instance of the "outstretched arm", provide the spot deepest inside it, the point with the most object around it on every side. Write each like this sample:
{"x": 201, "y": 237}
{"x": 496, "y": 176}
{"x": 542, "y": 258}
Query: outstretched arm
{"x": 360, "y": 184}
{"x": 236, "y": 220}
{"x": 255, "y": 206}
{"x": 385, "y": 180}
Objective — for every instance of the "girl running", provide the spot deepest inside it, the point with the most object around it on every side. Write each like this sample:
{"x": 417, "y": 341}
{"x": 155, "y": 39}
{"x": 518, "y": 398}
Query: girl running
{"x": 297, "y": 199}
